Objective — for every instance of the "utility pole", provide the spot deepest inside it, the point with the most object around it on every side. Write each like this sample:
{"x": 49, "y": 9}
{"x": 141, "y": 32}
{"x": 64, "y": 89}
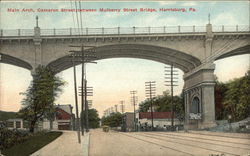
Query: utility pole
{"x": 150, "y": 93}
{"x": 1, "y": 96}
{"x": 76, "y": 100}
{"x": 172, "y": 80}
{"x": 122, "y": 107}
{"x": 116, "y": 108}
{"x": 122, "y": 111}
{"x": 86, "y": 107}
{"x": 86, "y": 57}
{"x": 90, "y": 103}
{"x": 82, "y": 95}
{"x": 88, "y": 91}
{"x": 134, "y": 101}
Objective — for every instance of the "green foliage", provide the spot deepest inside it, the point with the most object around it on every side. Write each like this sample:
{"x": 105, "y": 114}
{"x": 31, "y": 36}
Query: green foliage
{"x": 237, "y": 98}
{"x": 7, "y": 115}
{"x": 93, "y": 118}
{"x": 163, "y": 104}
{"x": 8, "y": 138}
{"x": 232, "y": 98}
{"x": 113, "y": 120}
{"x": 32, "y": 143}
{"x": 40, "y": 95}
{"x": 220, "y": 90}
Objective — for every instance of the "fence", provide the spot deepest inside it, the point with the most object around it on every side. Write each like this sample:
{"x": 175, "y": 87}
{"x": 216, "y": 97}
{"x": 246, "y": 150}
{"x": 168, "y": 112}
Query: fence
{"x": 123, "y": 30}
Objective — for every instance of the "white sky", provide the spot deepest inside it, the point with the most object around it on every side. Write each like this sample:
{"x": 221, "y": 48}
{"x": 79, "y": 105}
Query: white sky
{"x": 113, "y": 79}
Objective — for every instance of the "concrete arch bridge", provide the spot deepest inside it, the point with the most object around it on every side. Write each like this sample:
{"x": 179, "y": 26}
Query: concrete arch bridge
{"x": 191, "y": 49}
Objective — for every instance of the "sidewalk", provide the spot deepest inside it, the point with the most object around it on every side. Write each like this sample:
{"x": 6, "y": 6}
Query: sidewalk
{"x": 66, "y": 145}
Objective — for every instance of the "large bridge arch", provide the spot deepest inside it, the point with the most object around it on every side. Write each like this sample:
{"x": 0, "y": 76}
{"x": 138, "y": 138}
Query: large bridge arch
{"x": 4, "y": 58}
{"x": 237, "y": 51}
{"x": 164, "y": 55}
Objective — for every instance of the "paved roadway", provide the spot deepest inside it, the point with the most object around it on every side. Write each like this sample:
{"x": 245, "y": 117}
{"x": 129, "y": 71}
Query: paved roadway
{"x": 168, "y": 143}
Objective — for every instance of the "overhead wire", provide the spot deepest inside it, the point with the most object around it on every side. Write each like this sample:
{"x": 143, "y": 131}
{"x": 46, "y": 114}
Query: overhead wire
{"x": 77, "y": 19}
{"x": 71, "y": 6}
{"x": 80, "y": 17}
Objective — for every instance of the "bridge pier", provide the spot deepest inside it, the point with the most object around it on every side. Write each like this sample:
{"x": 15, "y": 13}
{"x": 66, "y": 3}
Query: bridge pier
{"x": 199, "y": 97}
{"x": 38, "y": 55}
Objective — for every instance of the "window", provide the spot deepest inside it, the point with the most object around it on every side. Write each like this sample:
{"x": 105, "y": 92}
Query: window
{"x": 10, "y": 124}
{"x": 195, "y": 105}
{"x": 18, "y": 124}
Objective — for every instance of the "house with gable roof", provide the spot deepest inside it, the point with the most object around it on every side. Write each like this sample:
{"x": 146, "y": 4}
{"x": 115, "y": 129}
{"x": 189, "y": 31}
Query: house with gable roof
{"x": 64, "y": 119}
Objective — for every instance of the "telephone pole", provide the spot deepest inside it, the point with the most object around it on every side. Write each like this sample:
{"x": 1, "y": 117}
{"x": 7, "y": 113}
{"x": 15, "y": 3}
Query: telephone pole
{"x": 171, "y": 81}
{"x": 116, "y": 108}
{"x": 134, "y": 101}
{"x": 150, "y": 90}
{"x": 122, "y": 107}
{"x": 76, "y": 100}
{"x": 86, "y": 57}
{"x": 90, "y": 103}
{"x": 88, "y": 91}
{"x": 122, "y": 111}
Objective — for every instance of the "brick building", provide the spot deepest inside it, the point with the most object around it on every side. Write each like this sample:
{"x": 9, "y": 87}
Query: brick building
{"x": 64, "y": 119}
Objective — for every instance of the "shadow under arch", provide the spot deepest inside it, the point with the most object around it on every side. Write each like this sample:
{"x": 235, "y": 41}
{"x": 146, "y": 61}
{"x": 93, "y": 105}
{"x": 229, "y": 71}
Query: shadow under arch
{"x": 14, "y": 61}
{"x": 164, "y": 55}
{"x": 237, "y": 51}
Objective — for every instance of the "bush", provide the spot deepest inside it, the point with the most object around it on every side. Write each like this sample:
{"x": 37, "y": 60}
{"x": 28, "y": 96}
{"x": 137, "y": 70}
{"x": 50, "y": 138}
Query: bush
{"x": 32, "y": 144}
{"x": 9, "y": 138}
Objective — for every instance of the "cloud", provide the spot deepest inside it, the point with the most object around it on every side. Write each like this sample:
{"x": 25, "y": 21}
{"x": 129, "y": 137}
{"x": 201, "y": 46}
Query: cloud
{"x": 191, "y": 3}
{"x": 224, "y": 19}
{"x": 166, "y": 3}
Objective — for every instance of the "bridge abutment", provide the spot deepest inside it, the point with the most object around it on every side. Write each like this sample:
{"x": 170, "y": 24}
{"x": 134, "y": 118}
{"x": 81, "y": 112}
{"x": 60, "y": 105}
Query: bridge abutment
{"x": 199, "y": 97}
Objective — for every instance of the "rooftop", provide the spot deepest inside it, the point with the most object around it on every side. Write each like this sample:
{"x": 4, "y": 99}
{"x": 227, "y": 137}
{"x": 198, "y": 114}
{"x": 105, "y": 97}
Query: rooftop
{"x": 156, "y": 115}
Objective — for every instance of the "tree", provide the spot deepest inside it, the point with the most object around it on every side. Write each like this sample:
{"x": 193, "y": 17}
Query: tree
{"x": 7, "y": 115}
{"x": 237, "y": 99}
{"x": 220, "y": 90}
{"x": 40, "y": 95}
{"x": 113, "y": 120}
{"x": 163, "y": 104}
{"x": 93, "y": 118}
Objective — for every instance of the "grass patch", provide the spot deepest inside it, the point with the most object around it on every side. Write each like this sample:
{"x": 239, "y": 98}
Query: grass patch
{"x": 31, "y": 145}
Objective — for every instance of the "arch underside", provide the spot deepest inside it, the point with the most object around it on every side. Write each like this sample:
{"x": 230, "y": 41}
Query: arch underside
{"x": 14, "y": 61}
{"x": 238, "y": 51}
{"x": 179, "y": 59}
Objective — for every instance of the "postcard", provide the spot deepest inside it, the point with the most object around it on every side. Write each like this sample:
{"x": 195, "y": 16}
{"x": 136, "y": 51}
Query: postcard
{"x": 124, "y": 78}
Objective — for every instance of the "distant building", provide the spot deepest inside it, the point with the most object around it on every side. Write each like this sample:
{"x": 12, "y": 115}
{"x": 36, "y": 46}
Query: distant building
{"x": 15, "y": 124}
{"x": 128, "y": 122}
{"x": 64, "y": 119}
{"x": 160, "y": 119}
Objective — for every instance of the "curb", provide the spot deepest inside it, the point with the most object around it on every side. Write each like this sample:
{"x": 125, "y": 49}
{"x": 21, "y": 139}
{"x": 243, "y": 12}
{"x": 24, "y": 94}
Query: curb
{"x": 85, "y": 144}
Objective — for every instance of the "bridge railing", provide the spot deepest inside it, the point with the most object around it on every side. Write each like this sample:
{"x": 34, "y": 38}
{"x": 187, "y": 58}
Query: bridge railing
{"x": 123, "y": 30}
{"x": 237, "y": 28}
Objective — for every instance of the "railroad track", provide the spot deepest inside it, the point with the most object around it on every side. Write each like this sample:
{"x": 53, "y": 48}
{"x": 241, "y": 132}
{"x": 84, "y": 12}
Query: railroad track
{"x": 237, "y": 137}
{"x": 185, "y": 144}
{"x": 164, "y": 133}
{"x": 163, "y": 146}
{"x": 169, "y": 138}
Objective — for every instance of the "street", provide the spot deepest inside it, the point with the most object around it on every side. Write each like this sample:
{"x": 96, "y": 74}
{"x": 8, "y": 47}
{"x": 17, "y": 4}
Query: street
{"x": 167, "y": 143}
